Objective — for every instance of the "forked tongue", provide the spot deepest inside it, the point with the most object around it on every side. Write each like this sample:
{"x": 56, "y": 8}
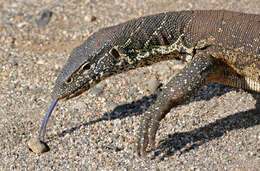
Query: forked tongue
{"x": 45, "y": 119}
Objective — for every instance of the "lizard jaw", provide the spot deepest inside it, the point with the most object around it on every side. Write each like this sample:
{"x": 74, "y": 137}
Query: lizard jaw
{"x": 77, "y": 92}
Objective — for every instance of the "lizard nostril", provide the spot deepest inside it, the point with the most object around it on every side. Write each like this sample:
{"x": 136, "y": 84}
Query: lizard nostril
{"x": 69, "y": 80}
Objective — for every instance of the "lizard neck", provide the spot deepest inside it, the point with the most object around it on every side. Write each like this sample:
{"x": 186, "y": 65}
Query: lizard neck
{"x": 144, "y": 57}
{"x": 143, "y": 44}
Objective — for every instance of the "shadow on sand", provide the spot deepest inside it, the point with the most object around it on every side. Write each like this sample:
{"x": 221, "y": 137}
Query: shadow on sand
{"x": 178, "y": 141}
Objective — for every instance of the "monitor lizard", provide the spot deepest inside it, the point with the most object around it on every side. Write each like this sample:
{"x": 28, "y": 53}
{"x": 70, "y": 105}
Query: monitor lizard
{"x": 216, "y": 45}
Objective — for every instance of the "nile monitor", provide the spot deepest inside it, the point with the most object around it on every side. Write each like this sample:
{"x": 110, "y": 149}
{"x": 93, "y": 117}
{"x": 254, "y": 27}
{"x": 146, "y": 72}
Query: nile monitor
{"x": 217, "y": 46}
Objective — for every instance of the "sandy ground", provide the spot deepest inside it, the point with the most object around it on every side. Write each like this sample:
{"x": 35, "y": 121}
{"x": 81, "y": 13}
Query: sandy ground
{"x": 218, "y": 129}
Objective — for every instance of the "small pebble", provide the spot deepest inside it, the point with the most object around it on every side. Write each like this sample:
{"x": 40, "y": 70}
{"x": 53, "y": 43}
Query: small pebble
{"x": 37, "y": 146}
{"x": 10, "y": 41}
{"x": 20, "y": 25}
{"x": 97, "y": 90}
{"x": 90, "y": 18}
{"x": 41, "y": 62}
{"x": 14, "y": 63}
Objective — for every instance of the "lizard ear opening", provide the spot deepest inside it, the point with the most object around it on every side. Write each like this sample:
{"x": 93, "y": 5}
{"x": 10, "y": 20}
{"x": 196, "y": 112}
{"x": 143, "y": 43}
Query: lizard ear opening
{"x": 85, "y": 66}
{"x": 114, "y": 52}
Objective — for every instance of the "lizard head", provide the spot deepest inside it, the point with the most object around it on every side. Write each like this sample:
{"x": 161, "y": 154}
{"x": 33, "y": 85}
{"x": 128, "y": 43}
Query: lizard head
{"x": 110, "y": 51}
{"x": 88, "y": 64}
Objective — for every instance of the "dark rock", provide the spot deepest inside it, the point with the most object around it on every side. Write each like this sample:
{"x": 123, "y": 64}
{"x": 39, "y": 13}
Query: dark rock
{"x": 44, "y": 19}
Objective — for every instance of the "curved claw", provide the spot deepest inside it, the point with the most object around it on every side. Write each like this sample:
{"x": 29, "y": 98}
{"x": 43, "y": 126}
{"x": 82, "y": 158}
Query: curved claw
{"x": 147, "y": 131}
{"x": 143, "y": 140}
{"x": 45, "y": 120}
{"x": 152, "y": 132}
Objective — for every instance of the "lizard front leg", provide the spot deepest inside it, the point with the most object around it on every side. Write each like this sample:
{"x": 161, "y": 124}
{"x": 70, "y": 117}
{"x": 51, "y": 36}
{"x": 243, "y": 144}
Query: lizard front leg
{"x": 180, "y": 88}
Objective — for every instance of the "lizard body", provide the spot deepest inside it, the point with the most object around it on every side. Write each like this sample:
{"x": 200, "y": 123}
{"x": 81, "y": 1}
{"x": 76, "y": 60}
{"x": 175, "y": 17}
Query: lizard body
{"x": 217, "y": 46}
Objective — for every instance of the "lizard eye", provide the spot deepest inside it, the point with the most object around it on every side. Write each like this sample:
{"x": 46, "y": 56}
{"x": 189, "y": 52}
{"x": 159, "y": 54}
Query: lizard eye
{"x": 114, "y": 52}
{"x": 69, "y": 80}
{"x": 85, "y": 66}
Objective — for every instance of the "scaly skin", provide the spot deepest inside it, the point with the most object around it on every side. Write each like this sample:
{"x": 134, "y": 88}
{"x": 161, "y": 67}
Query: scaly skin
{"x": 218, "y": 46}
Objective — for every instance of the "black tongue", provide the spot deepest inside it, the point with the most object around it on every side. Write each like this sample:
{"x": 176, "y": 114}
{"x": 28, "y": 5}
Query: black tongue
{"x": 45, "y": 119}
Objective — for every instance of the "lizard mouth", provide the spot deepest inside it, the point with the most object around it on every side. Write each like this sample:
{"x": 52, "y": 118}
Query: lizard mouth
{"x": 77, "y": 92}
